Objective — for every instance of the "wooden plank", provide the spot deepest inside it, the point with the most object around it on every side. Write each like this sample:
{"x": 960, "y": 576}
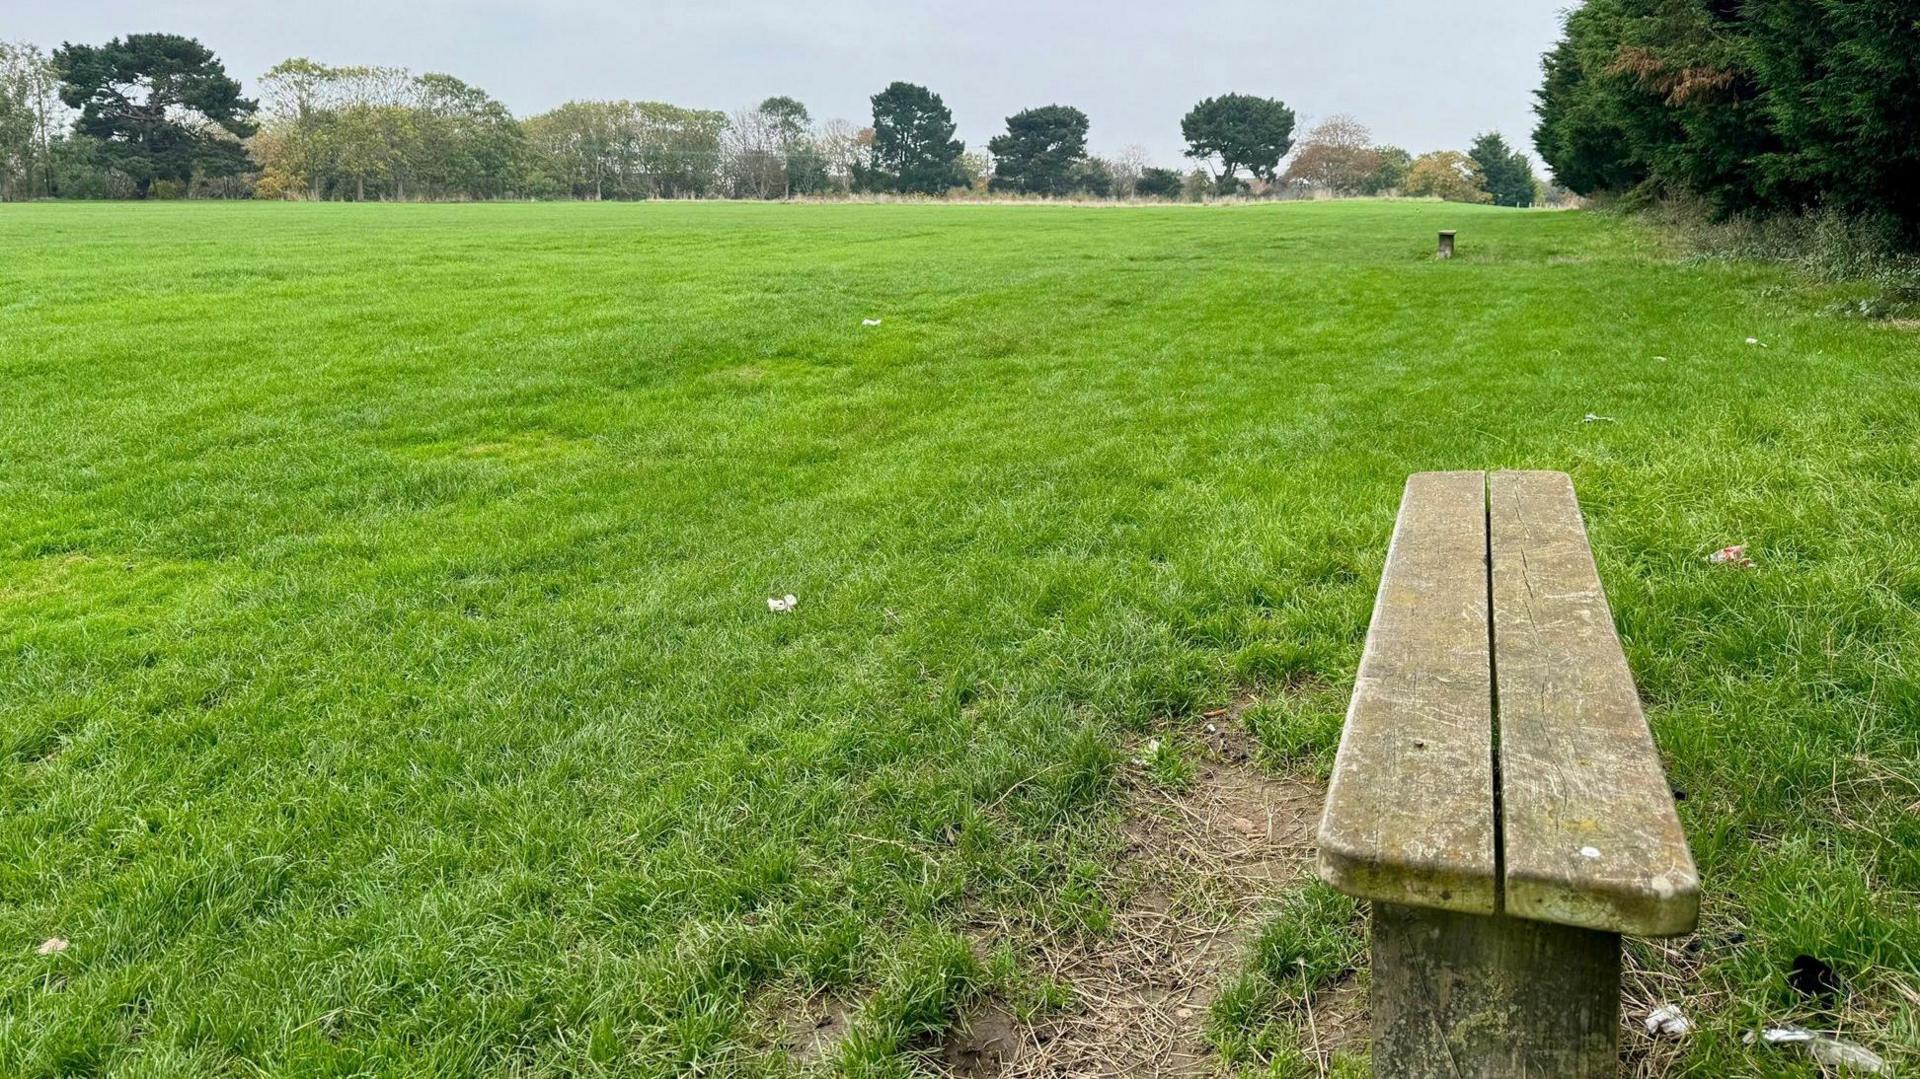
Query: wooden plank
{"x": 1410, "y": 812}
{"x": 1590, "y": 837}
{"x": 1456, "y": 995}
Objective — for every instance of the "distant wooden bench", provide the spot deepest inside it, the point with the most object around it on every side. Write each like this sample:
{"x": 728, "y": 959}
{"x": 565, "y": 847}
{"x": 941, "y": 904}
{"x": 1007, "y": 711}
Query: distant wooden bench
{"x": 1497, "y": 796}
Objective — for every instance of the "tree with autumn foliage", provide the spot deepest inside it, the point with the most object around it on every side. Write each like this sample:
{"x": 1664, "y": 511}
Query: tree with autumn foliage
{"x": 1338, "y": 155}
{"x": 1446, "y": 174}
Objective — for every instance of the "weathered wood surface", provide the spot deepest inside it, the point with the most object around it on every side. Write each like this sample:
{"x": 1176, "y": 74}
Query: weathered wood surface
{"x": 1589, "y": 830}
{"x": 1462, "y": 995}
{"x": 1410, "y": 810}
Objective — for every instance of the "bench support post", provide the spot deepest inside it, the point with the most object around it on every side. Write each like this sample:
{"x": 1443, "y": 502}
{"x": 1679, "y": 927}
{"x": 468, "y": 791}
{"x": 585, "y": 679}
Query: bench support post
{"x": 1467, "y": 995}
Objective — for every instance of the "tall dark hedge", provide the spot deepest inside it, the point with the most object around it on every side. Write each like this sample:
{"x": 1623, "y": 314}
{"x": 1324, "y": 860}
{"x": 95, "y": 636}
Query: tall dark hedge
{"x": 1754, "y": 105}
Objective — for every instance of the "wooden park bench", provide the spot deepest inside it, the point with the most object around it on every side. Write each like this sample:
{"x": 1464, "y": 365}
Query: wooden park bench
{"x": 1497, "y": 795}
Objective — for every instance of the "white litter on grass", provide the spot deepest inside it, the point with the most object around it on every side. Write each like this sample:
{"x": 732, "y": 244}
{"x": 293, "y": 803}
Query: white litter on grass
{"x": 1659, "y": 359}
{"x": 1666, "y": 1021}
{"x": 1832, "y": 1052}
{"x": 1148, "y": 752}
{"x": 1594, "y": 417}
{"x": 1735, "y": 556}
{"x": 1589, "y": 852}
{"x": 52, "y": 946}
{"x": 782, "y": 604}
{"x": 1756, "y": 341}
{"x": 869, "y": 322}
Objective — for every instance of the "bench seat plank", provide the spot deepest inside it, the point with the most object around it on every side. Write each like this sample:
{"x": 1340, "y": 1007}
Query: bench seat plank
{"x": 1589, "y": 833}
{"x": 1409, "y": 816}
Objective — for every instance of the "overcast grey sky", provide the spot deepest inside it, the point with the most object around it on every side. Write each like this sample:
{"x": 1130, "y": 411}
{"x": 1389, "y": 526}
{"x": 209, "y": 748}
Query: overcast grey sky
{"x": 1422, "y": 75}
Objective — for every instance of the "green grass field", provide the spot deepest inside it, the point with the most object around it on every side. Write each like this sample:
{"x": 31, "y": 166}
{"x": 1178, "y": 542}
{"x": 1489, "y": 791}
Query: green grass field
{"x": 387, "y": 682}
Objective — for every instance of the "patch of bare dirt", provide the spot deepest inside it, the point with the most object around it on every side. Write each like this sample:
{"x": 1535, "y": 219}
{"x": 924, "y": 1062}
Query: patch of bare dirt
{"x": 809, "y": 1031}
{"x": 1199, "y": 869}
{"x": 984, "y": 1044}
{"x": 1335, "y": 1018}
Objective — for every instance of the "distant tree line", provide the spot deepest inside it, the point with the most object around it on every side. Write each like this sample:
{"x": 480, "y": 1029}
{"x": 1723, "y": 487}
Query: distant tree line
{"x": 1753, "y": 106}
{"x": 1338, "y": 155}
{"x": 157, "y": 114}
{"x": 378, "y": 132}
